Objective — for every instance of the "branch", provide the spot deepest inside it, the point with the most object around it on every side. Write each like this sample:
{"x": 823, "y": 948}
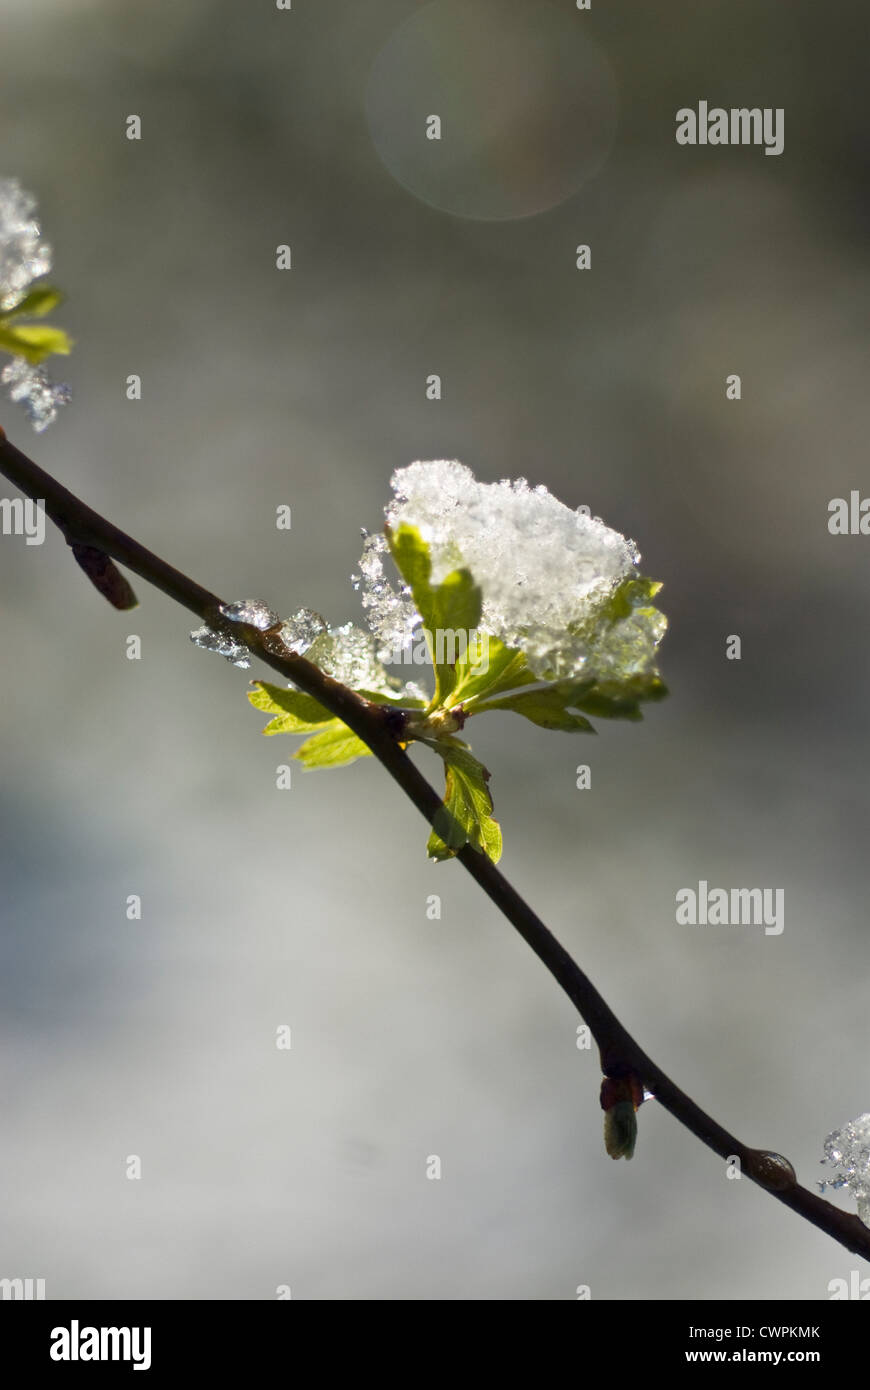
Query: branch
{"x": 621, "y": 1057}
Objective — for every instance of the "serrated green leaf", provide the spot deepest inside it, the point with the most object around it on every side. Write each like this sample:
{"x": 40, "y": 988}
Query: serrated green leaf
{"x": 332, "y": 743}
{"x": 36, "y": 303}
{"x": 450, "y": 607}
{"x": 551, "y": 705}
{"x": 621, "y": 699}
{"x": 33, "y": 341}
{"x": 506, "y": 670}
{"x": 379, "y": 697}
{"x": 548, "y": 708}
{"x": 332, "y": 747}
{"x": 297, "y": 713}
{"x": 466, "y": 815}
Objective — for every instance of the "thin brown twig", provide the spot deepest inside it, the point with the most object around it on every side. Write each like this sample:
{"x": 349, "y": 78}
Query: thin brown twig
{"x": 621, "y": 1056}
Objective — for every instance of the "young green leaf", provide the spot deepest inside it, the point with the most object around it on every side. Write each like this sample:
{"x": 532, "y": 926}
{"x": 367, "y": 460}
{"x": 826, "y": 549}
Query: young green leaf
{"x": 400, "y": 701}
{"x": 334, "y": 746}
{"x": 296, "y": 713}
{"x": 466, "y": 815}
{"x": 447, "y": 609}
{"x": 548, "y": 707}
{"x": 33, "y": 341}
{"x": 504, "y": 669}
{"x": 556, "y": 705}
{"x": 620, "y": 699}
{"x": 36, "y": 303}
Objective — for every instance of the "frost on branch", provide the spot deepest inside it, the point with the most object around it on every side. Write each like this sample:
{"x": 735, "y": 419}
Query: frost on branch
{"x": 296, "y": 633}
{"x": 24, "y": 257}
{"x": 848, "y": 1151}
{"x": 546, "y": 573}
{"x": 349, "y": 655}
{"x": 346, "y": 653}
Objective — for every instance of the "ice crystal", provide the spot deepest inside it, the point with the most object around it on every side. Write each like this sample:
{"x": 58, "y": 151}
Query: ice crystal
{"x": 220, "y": 638}
{"x": 346, "y": 653}
{"x": 212, "y": 639}
{"x": 847, "y": 1150}
{"x": 23, "y": 256}
{"x": 389, "y": 608}
{"x": 349, "y": 655}
{"x": 251, "y": 611}
{"x": 33, "y": 388}
{"x": 298, "y": 633}
{"x": 545, "y": 571}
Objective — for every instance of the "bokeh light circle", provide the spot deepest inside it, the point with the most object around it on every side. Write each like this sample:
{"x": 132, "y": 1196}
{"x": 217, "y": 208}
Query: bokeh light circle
{"x": 527, "y": 103}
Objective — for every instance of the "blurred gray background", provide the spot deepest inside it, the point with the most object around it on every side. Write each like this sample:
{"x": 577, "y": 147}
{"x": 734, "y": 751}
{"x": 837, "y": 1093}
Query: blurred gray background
{"x": 307, "y": 387}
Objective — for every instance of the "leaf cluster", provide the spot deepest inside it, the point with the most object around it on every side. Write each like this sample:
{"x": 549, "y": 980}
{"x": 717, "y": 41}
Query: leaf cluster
{"x": 621, "y": 677}
{"x": 33, "y": 341}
